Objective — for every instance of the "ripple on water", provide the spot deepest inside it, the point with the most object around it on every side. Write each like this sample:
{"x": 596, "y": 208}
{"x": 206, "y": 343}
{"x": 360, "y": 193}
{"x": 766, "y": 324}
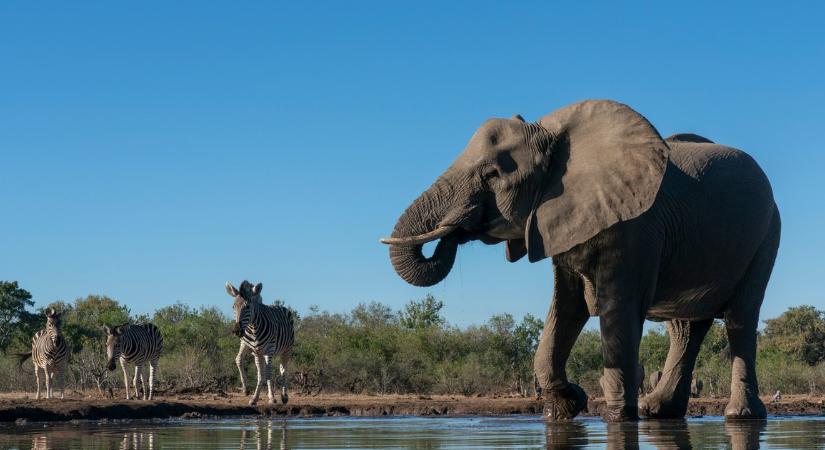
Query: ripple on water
{"x": 419, "y": 432}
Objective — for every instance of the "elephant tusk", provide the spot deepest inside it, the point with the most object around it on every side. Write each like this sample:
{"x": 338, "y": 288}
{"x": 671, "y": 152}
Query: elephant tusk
{"x": 421, "y": 239}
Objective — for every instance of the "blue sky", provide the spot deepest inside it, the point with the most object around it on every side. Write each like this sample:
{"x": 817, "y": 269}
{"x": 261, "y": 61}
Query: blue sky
{"x": 152, "y": 152}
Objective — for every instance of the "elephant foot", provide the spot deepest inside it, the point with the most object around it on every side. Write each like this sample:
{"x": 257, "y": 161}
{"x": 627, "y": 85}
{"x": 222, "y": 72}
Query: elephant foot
{"x": 565, "y": 404}
{"x": 620, "y": 414}
{"x": 743, "y": 407}
{"x": 284, "y": 399}
{"x": 662, "y": 406}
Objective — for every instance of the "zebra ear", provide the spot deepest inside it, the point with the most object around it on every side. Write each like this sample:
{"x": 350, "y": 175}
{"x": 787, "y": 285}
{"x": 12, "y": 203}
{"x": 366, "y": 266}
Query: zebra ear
{"x": 106, "y": 329}
{"x": 231, "y": 290}
{"x": 256, "y": 290}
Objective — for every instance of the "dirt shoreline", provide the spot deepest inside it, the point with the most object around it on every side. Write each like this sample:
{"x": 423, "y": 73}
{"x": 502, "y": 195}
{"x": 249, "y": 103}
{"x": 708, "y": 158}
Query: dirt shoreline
{"x": 21, "y": 407}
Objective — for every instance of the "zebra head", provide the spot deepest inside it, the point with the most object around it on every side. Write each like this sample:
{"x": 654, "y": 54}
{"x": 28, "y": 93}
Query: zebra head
{"x": 246, "y": 300}
{"x": 113, "y": 335}
{"x": 53, "y": 320}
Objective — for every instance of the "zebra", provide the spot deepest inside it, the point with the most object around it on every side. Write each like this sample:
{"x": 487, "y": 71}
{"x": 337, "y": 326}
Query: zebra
{"x": 134, "y": 344}
{"x": 266, "y": 331}
{"x": 50, "y": 352}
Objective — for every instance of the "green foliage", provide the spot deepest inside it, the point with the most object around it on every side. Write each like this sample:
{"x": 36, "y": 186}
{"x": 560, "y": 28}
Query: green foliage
{"x": 653, "y": 349}
{"x": 584, "y": 367}
{"x": 82, "y": 320}
{"x": 15, "y": 319}
{"x": 423, "y": 313}
{"x": 372, "y": 349}
{"x": 799, "y": 332}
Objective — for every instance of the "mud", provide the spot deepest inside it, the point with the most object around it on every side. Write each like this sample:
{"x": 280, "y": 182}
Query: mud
{"x": 22, "y": 408}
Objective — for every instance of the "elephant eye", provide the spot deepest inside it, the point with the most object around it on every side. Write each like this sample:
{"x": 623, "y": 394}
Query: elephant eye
{"x": 490, "y": 173}
{"x": 493, "y": 139}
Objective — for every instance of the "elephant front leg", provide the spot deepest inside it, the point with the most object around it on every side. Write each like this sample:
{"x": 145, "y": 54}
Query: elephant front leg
{"x": 670, "y": 397}
{"x": 621, "y": 328}
{"x": 567, "y": 316}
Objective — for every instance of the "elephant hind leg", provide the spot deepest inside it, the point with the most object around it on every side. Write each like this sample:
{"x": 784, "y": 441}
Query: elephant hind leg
{"x": 669, "y": 398}
{"x": 741, "y": 320}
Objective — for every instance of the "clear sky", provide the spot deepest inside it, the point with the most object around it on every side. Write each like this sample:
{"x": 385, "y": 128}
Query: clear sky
{"x": 153, "y": 151}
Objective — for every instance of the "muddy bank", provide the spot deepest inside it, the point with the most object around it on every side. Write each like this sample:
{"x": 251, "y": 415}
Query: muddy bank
{"x": 21, "y": 408}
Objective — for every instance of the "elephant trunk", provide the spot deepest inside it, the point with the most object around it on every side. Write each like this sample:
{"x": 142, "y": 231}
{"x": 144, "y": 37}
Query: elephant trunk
{"x": 422, "y": 218}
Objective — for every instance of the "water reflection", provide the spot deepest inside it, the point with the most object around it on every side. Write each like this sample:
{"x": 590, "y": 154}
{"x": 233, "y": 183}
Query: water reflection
{"x": 430, "y": 433}
{"x": 138, "y": 441}
{"x": 666, "y": 434}
{"x": 678, "y": 434}
{"x": 572, "y": 434}
{"x": 263, "y": 436}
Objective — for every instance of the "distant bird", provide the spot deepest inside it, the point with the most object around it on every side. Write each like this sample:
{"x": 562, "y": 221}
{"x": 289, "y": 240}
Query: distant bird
{"x": 776, "y": 397}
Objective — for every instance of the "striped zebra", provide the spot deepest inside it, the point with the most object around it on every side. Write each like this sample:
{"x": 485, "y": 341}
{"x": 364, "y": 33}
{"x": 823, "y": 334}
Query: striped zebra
{"x": 266, "y": 331}
{"x": 50, "y": 352}
{"x": 134, "y": 344}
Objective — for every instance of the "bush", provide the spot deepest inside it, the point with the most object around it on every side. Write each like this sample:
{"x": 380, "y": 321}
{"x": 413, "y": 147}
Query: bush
{"x": 373, "y": 350}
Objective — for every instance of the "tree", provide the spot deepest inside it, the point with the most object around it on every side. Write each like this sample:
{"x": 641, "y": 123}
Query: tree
{"x": 800, "y": 332}
{"x": 14, "y": 316}
{"x": 584, "y": 366}
{"x": 517, "y": 343}
{"x": 423, "y": 313}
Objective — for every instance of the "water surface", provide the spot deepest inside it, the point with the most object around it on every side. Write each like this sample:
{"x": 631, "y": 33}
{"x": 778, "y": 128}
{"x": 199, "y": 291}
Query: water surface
{"x": 418, "y": 433}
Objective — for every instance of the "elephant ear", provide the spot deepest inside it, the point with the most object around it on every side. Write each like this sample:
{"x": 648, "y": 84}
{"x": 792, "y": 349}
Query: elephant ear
{"x": 607, "y": 165}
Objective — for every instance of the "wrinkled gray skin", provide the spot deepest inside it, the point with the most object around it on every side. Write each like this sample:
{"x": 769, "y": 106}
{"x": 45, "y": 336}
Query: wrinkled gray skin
{"x": 655, "y": 377}
{"x": 640, "y": 375}
{"x": 680, "y": 230}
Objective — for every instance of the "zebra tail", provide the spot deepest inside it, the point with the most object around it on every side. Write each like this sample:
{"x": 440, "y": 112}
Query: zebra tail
{"x": 22, "y": 357}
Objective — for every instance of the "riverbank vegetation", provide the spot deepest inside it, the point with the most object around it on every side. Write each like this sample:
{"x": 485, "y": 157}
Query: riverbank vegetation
{"x": 374, "y": 349}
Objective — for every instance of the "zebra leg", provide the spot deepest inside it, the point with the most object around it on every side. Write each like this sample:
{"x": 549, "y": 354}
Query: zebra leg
{"x": 284, "y": 362}
{"x": 53, "y": 383}
{"x": 37, "y": 378}
{"x": 63, "y": 382}
{"x": 239, "y": 363}
{"x": 135, "y": 380}
{"x": 125, "y": 379}
{"x": 153, "y": 366}
{"x": 142, "y": 380}
{"x": 260, "y": 382}
{"x": 48, "y": 382}
{"x": 268, "y": 376}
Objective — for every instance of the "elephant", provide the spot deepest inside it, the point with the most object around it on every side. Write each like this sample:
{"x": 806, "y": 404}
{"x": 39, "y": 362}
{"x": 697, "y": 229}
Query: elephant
{"x": 640, "y": 375}
{"x": 655, "y": 377}
{"x": 696, "y": 387}
{"x": 680, "y": 230}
